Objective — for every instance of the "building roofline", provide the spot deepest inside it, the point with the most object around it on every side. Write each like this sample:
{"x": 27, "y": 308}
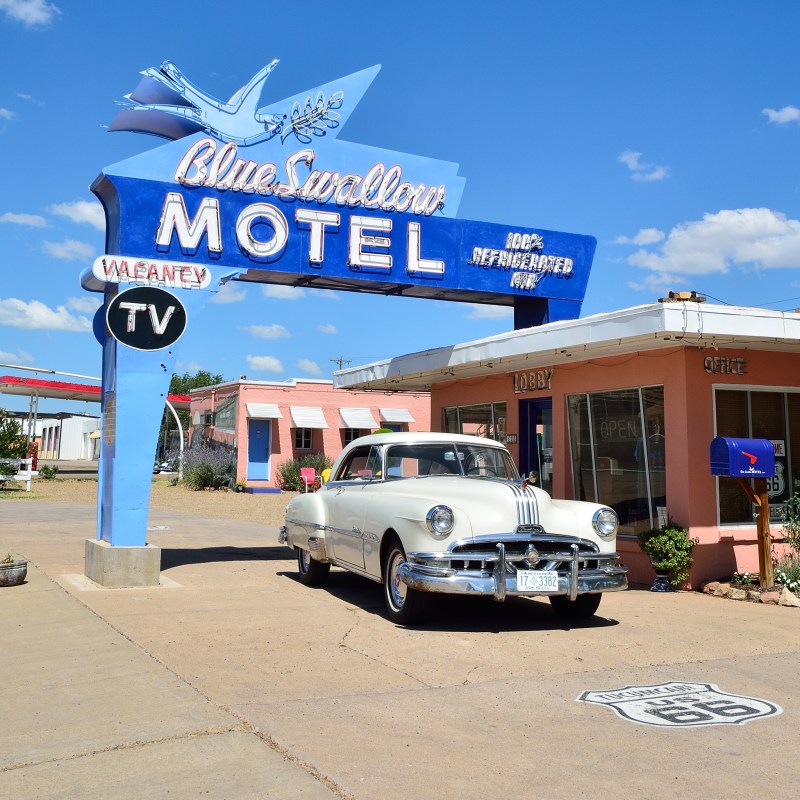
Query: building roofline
{"x": 640, "y": 328}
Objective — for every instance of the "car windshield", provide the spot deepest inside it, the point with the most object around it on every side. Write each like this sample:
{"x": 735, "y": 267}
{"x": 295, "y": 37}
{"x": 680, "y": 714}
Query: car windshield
{"x": 448, "y": 458}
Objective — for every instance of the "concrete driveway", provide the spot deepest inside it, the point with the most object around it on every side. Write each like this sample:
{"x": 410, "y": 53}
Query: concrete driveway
{"x": 480, "y": 703}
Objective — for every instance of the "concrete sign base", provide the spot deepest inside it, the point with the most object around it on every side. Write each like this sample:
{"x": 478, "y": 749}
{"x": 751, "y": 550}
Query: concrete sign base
{"x": 118, "y": 567}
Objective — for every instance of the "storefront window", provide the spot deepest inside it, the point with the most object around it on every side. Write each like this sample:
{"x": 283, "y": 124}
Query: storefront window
{"x": 759, "y": 415}
{"x": 487, "y": 420}
{"x": 581, "y": 446}
{"x": 618, "y": 445}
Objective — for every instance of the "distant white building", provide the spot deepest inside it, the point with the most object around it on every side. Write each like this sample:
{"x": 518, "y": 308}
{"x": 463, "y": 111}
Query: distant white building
{"x": 65, "y": 437}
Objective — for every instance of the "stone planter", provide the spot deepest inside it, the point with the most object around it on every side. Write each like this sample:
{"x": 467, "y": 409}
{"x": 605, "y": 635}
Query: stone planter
{"x": 661, "y": 583}
{"x": 13, "y": 574}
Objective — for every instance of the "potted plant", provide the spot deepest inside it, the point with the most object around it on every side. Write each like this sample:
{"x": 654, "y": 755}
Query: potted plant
{"x": 12, "y": 571}
{"x": 670, "y": 551}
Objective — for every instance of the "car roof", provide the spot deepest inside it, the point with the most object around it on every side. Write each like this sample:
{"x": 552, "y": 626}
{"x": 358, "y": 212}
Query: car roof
{"x": 423, "y": 437}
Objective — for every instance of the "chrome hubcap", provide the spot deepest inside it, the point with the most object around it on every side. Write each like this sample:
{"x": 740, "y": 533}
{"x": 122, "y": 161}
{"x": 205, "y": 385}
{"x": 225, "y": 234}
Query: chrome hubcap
{"x": 397, "y": 589}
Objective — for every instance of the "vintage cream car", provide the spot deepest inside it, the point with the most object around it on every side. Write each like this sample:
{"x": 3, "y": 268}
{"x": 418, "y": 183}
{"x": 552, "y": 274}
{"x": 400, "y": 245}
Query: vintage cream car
{"x": 438, "y": 512}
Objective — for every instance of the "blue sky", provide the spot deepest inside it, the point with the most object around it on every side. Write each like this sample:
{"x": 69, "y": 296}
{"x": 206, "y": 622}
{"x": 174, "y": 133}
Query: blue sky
{"x": 668, "y": 130}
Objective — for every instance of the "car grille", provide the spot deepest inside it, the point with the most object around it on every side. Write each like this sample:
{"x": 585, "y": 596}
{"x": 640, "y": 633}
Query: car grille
{"x": 554, "y": 553}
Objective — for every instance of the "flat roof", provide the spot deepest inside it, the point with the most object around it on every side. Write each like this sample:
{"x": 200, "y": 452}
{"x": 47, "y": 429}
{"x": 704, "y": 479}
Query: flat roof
{"x": 61, "y": 390}
{"x": 640, "y": 328}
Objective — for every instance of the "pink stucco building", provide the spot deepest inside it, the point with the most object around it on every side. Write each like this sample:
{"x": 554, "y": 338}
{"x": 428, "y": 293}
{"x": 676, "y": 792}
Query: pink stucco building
{"x": 621, "y": 408}
{"x": 269, "y": 422}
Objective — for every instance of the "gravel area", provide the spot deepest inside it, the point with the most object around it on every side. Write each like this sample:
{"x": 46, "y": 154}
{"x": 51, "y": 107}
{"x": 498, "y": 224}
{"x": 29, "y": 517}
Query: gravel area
{"x": 266, "y": 508}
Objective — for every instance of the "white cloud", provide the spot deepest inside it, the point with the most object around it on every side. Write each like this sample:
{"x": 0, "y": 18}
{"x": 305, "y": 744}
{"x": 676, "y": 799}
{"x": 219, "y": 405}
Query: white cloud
{"x": 279, "y": 292}
{"x": 783, "y": 116}
{"x": 759, "y": 236}
{"x": 191, "y": 366}
{"x": 31, "y": 220}
{"x": 69, "y": 250}
{"x": 326, "y": 294}
{"x": 658, "y": 283}
{"x": 267, "y": 331}
{"x": 331, "y": 330}
{"x": 18, "y": 357}
{"x": 264, "y": 364}
{"x": 229, "y": 293}
{"x": 483, "y": 311}
{"x": 84, "y": 305}
{"x": 641, "y": 171}
{"x": 644, "y": 237}
{"x": 30, "y": 12}
{"x": 82, "y": 211}
{"x": 7, "y": 114}
{"x": 309, "y": 367}
{"x": 37, "y": 316}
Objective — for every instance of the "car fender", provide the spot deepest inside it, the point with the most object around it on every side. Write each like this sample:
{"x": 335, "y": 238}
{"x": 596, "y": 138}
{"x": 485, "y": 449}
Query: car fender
{"x": 304, "y": 519}
{"x": 575, "y": 516}
{"x": 410, "y": 527}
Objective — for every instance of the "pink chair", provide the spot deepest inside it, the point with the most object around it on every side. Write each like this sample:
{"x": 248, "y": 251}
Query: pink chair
{"x": 309, "y": 477}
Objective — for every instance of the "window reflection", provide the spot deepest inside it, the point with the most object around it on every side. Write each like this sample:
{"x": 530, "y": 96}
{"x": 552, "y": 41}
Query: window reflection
{"x": 618, "y": 442}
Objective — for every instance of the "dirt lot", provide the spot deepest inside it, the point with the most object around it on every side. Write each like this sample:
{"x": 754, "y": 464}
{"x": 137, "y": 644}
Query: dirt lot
{"x": 264, "y": 508}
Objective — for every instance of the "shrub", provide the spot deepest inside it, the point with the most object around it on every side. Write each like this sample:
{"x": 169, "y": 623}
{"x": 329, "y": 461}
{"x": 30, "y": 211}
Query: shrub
{"x": 207, "y": 467}
{"x": 13, "y": 446}
{"x": 48, "y": 472}
{"x": 787, "y": 571}
{"x": 791, "y": 523}
{"x": 670, "y": 549}
{"x": 288, "y": 473}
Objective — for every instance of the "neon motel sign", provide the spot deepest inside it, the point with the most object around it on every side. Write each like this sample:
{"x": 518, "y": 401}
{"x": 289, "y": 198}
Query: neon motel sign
{"x": 271, "y": 194}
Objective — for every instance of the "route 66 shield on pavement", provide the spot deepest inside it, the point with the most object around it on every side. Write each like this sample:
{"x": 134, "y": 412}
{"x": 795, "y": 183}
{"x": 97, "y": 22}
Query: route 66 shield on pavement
{"x": 678, "y": 704}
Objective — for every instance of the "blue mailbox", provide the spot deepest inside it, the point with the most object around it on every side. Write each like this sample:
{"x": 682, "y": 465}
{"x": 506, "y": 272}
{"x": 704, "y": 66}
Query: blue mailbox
{"x": 742, "y": 458}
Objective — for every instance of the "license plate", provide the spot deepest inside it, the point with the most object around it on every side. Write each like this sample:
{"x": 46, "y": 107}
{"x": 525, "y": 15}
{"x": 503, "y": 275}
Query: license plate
{"x": 537, "y": 580}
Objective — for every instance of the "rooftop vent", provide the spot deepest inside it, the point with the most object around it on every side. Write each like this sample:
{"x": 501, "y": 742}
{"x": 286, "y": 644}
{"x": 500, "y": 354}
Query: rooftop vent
{"x": 682, "y": 297}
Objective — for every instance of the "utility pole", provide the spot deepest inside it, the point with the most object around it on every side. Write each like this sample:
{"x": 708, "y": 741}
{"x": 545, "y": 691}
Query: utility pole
{"x": 341, "y": 361}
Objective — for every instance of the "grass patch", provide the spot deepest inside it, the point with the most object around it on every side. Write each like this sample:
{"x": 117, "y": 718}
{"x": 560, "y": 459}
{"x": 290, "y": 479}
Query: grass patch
{"x": 15, "y": 493}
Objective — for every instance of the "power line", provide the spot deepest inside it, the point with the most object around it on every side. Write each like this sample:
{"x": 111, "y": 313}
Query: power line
{"x": 340, "y": 361}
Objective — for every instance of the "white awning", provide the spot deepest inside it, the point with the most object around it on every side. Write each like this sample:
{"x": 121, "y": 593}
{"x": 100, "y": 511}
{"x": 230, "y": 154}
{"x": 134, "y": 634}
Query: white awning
{"x": 358, "y": 418}
{"x": 307, "y": 417}
{"x": 396, "y": 415}
{"x": 263, "y": 411}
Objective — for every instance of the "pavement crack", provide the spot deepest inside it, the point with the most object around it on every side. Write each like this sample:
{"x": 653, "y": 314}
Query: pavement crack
{"x": 344, "y": 644}
{"x": 138, "y": 743}
{"x": 306, "y": 766}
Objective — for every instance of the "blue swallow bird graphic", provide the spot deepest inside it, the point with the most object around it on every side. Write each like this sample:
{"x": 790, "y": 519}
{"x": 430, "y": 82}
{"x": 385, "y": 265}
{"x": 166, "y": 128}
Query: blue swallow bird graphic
{"x": 167, "y": 104}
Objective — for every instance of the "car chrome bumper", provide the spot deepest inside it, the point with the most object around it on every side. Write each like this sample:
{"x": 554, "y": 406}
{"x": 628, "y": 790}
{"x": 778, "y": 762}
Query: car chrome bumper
{"x": 500, "y": 582}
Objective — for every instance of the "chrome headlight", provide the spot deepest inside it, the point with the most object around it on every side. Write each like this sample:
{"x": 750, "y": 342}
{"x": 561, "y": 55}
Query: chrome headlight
{"x": 440, "y": 521}
{"x": 605, "y": 522}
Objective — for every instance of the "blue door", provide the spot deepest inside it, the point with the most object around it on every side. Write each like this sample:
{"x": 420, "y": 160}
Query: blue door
{"x": 258, "y": 441}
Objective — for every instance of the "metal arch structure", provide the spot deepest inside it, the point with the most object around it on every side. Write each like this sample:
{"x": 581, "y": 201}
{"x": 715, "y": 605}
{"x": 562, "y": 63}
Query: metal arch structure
{"x": 268, "y": 192}
{"x": 34, "y": 388}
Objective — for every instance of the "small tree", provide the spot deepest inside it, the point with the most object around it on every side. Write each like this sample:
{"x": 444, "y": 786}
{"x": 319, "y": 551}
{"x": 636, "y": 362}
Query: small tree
{"x": 12, "y": 444}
